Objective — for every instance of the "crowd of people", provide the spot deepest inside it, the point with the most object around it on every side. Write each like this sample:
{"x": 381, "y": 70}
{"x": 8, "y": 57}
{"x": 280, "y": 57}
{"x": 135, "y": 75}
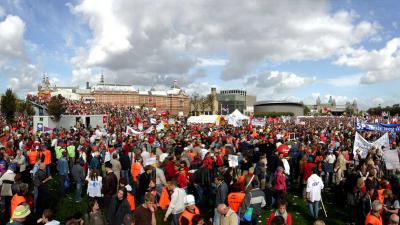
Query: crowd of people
{"x": 191, "y": 173}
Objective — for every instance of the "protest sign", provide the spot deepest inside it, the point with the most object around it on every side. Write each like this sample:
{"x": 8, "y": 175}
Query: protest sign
{"x": 391, "y": 158}
{"x": 233, "y": 160}
{"x": 363, "y": 146}
{"x": 258, "y": 122}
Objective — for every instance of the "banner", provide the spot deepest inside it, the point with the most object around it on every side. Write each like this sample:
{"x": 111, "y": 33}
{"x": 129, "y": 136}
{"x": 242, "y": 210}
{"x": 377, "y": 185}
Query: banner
{"x": 382, "y": 142}
{"x": 380, "y": 127}
{"x": 131, "y": 131}
{"x": 391, "y": 158}
{"x": 363, "y": 146}
{"x": 258, "y": 122}
{"x": 232, "y": 120}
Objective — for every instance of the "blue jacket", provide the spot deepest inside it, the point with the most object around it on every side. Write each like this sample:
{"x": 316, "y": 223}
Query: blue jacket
{"x": 62, "y": 166}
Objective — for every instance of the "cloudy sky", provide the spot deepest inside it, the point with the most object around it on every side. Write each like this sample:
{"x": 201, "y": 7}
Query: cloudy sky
{"x": 274, "y": 49}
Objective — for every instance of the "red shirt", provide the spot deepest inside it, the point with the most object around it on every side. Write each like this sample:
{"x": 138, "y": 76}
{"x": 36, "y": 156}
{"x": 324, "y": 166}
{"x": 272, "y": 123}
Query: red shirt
{"x": 182, "y": 180}
{"x": 307, "y": 170}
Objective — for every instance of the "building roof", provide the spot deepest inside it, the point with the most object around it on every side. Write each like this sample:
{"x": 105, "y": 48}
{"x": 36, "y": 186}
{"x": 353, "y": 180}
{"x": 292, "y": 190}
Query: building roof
{"x": 113, "y": 87}
{"x": 260, "y": 103}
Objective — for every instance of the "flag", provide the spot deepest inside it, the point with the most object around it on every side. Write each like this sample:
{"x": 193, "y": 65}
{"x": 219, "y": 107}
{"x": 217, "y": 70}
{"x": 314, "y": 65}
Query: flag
{"x": 131, "y": 131}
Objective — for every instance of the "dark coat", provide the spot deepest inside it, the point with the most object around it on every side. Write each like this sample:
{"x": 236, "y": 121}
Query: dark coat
{"x": 110, "y": 183}
{"x": 116, "y": 216}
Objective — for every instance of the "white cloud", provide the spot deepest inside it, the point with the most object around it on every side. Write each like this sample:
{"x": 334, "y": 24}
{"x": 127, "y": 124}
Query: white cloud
{"x": 203, "y": 88}
{"x": 211, "y": 62}
{"x": 23, "y": 78}
{"x": 275, "y": 84}
{"x": 12, "y": 29}
{"x": 173, "y": 36}
{"x": 380, "y": 65}
{"x": 344, "y": 81}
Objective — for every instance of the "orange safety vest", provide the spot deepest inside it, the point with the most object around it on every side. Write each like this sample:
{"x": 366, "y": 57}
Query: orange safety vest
{"x": 235, "y": 200}
{"x": 47, "y": 157}
{"x": 135, "y": 167}
{"x": 372, "y": 219}
{"x": 380, "y": 195}
{"x": 164, "y": 199}
{"x": 16, "y": 201}
{"x": 131, "y": 200}
{"x": 32, "y": 156}
{"x": 188, "y": 215}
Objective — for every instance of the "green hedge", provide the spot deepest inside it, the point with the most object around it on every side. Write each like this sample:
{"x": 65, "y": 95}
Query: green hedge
{"x": 273, "y": 114}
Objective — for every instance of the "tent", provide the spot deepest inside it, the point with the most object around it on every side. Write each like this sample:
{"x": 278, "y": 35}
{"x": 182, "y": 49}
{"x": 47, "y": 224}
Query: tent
{"x": 204, "y": 119}
{"x": 238, "y": 115}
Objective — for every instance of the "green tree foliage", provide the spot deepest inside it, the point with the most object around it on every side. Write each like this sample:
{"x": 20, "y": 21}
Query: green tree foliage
{"x": 25, "y": 108}
{"x": 8, "y": 105}
{"x": 306, "y": 110}
{"x": 56, "y": 107}
{"x": 392, "y": 110}
{"x": 273, "y": 114}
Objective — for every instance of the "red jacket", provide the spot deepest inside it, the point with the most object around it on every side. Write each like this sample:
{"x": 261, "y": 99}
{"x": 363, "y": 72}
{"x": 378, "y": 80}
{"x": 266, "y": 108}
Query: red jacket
{"x": 272, "y": 215}
{"x": 169, "y": 170}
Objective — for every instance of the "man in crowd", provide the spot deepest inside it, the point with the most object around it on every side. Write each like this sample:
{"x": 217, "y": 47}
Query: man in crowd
{"x": 313, "y": 190}
{"x": 177, "y": 204}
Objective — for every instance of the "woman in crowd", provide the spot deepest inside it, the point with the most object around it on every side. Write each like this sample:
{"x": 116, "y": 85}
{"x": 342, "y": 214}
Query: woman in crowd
{"x": 280, "y": 211}
{"x": 94, "y": 216}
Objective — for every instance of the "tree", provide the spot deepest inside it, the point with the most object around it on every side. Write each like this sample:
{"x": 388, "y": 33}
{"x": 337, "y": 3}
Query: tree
{"x": 56, "y": 107}
{"x": 306, "y": 110}
{"x": 25, "y": 108}
{"x": 194, "y": 100}
{"x": 203, "y": 104}
{"x": 8, "y": 105}
{"x": 211, "y": 100}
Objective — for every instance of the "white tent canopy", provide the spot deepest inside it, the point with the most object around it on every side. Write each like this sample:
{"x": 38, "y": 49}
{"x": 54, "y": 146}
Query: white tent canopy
{"x": 204, "y": 119}
{"x": 238, "y": 115}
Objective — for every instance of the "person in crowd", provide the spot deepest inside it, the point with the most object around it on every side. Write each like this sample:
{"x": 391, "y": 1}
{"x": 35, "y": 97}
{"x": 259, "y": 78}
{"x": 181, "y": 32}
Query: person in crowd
{"x": 116, "y": 165}
{"x": 190, "y": 211}
{"x": 48, "y": 218}
{"x": 254, "y": 198}
{"x": 19, "y": 198}
{"x": 109, "y": 185}
{"x": 41, "y": 198}
{"x": 177, "y": 203}
{"x": 228, "y": 216}
{"x": 78, "y": 174}
{"x": 313, "y": 190}
{"x": 63, "y": 171}
{"x": 281, "y": 211}
{"x": 145, "y": 213}
{"x": 94, "y": 216}
{"x": 374, "y": 216}
{"x": 394, "y": 219}
{"x": 6, "y": 181}
{"x": 221, "y": 196}
{"x": 119, "y": 207}
{"x": 20, "y": 215}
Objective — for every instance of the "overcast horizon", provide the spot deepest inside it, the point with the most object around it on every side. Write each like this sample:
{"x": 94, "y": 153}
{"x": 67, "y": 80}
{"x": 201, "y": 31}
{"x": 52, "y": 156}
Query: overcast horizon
{"x": 276, "y": 50}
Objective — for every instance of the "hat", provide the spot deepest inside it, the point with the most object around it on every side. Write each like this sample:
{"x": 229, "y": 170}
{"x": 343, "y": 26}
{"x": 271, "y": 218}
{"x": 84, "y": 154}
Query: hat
{"x": 21, "y": 212}
{"x": 189, "y": 200}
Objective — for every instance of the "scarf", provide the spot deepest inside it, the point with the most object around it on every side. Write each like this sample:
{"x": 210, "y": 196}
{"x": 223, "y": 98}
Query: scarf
{"x": 277, "y": 213}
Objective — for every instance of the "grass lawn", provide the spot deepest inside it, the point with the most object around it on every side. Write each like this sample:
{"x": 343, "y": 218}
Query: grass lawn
{"x": 66, "y": 207}
{"x": 297, "y": 207}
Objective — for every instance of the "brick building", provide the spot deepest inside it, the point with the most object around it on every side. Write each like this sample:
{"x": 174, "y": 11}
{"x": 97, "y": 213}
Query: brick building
{"x": 174, "y": 100}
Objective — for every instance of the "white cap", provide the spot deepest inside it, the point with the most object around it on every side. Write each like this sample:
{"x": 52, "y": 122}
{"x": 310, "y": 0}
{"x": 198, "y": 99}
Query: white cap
{"x": 189, "y": 200}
